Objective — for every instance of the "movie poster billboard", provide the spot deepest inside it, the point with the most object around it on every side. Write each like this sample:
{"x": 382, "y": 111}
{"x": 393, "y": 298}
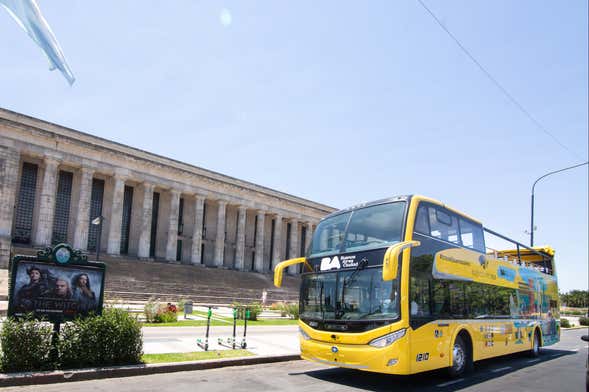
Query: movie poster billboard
{"x": 56, "y": 292}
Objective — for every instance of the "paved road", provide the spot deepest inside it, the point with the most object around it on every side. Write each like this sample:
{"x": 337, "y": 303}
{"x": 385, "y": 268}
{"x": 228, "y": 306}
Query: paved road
{"x": 560, "y": 368}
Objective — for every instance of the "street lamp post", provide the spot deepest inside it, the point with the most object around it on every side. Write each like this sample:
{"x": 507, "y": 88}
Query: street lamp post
{"x": 98, "y": 222}
{"x": 534, "y": 185}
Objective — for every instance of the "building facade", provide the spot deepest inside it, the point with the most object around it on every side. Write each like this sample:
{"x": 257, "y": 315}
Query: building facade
{"x": 55, "y": 182}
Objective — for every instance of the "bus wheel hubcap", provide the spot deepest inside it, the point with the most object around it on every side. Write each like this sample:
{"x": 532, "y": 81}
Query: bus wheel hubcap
{"x": 458, "y": 357}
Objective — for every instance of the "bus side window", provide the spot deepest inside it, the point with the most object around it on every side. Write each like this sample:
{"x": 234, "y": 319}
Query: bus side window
{"x": 472, "y": 235}
{"x": 443, "y": 225}
{"x": 419, "y": 305}
{"x": 421, "y": 221}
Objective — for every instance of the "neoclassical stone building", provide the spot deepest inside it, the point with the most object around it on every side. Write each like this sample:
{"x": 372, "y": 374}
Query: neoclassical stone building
{"x": 54, "y": 181}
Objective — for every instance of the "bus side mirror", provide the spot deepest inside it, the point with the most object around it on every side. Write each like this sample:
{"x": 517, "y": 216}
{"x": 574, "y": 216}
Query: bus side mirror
{"x": 390, "y": 263}
{"x": 279, "y": 269}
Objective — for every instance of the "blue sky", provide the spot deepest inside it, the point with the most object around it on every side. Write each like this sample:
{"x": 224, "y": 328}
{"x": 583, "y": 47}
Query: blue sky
{"x": 337, "y": 102}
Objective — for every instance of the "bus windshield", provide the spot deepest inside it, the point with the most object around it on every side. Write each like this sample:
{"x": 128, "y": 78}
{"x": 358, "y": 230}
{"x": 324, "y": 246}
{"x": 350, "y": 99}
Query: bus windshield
{"x": 349, "y": 295}
{"x": 362, "y": 229}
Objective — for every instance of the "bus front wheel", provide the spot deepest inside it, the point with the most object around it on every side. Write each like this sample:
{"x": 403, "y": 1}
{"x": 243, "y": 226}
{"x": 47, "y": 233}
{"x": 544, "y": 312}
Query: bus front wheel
{"x": 460, "y": 358}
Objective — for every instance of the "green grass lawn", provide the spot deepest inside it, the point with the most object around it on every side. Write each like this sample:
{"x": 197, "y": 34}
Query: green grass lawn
{"x": 194, "y": 356}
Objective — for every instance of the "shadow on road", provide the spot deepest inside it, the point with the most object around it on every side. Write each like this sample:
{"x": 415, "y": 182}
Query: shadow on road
{"x": 435, "y": 380}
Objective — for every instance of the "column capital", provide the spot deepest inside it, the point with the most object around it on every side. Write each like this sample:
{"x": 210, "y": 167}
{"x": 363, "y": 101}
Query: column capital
{"x": 148, "y": 186}
{"x": 120, "y": 177}
{"x": 222, "y": 202}
{"x": 51, "y": 160}
{"x": 242, "y": 208}
{"x": 200, "y": 197}
{"x": 121, "y": 174}
{"x": 88, "y": 171}
{"x": 261, "y": 212}
{"x": 175, "y": 192}
{"x": 293, "y": 220}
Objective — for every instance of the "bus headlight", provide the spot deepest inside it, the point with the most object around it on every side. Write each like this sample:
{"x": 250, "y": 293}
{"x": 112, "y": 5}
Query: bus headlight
{"x": 388, "y": 339}
{"x": 304, "y": 334}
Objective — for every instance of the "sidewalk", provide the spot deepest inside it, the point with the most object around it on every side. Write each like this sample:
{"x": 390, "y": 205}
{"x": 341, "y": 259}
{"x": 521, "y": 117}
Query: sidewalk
{"x": 261, "y": 340}
{"x": 269, "y": 344}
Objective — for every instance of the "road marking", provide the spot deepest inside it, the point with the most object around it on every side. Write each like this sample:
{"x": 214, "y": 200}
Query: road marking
{"x": 533, "y": 360}
{"x": 501, "y": 369}
{"x": 445, "y": 384}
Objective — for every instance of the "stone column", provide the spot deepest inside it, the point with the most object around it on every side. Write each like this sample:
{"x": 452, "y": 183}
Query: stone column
{"x": 308, "y": 235}
{"x": 240, "y": 247}
{"x": 83, "y": 213}
{"x": 9, "y": 166}
{"x": 276, "y": 250}
{"x": 220, "y": 240}
{"x": 259, "y": 260}
{"x": 172, "y": 243}
{"x": 113, "y": 246}
{"x": 294, "y": 245}
{"x": 145, "y": 229}
{"x": 294, "y": 239}
{"x": 47, "y": 203}
{"x": 197, "y": 233}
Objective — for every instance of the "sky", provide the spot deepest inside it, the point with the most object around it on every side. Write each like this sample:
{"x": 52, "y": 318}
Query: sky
{"x": 336, "y": 102}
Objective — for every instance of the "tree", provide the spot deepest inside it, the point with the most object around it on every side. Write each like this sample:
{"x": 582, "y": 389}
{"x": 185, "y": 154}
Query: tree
{"x": 575, "y": 298}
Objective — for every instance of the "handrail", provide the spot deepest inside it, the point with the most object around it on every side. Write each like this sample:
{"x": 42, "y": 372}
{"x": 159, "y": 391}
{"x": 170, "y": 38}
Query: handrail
{"x": 539, "y": 253}
{"x": 279, "y": 269}
{"x": 390, "y": 264}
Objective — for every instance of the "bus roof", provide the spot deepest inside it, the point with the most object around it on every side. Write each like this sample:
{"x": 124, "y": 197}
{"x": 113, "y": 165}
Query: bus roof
{"x": 402, "y": 198}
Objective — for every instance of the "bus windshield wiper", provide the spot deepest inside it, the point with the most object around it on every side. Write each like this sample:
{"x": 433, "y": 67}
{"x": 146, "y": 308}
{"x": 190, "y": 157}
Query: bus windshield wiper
{"x": 361, "y": 265}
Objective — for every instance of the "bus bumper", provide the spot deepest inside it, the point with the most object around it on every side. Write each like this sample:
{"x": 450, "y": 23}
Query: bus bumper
{"x": 391, "y": 359}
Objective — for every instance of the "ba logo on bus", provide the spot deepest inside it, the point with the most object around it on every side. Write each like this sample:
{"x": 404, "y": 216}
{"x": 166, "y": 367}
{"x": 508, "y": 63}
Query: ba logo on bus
{"x": 328, "y": 263}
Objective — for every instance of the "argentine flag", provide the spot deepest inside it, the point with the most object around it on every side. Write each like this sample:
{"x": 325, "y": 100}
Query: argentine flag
{"x": 28, "y": 16}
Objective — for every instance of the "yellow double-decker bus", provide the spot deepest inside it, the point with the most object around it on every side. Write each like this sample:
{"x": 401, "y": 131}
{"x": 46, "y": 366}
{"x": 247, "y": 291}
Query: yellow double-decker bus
{"x": 406, "y": 285}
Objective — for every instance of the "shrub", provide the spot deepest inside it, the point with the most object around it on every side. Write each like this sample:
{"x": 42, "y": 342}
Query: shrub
{"x": 26, "y": 345}
{"x": 292, "y": 310}
{"x": 181, "y": 305}
{"x": 584, "y": 320}
{"x": 156, "y": 312}
{"x": 278, "y": 306}
{"x": 114, "y": 338}
{"x": 564, "y": 323}
{"x": 255, "y": 309}
{"x": 150, "y": 309}
{"x": 165, "y": 316}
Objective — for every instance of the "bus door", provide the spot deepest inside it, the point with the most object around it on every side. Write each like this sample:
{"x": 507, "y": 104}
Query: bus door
{"x": 430, "y": 308}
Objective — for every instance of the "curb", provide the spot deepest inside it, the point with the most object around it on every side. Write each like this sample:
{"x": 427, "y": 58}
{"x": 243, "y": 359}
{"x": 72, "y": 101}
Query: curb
{"x": 60, "y": 376}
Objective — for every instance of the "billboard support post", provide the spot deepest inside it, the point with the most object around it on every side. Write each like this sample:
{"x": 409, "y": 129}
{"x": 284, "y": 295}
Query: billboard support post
{"x": 55, "y": 341}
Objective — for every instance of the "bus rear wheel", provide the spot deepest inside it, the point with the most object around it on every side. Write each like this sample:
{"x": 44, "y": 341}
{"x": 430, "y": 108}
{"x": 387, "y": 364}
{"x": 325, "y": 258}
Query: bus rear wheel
{"x": 461, "y": 359}
{"x": 535, "y": 351}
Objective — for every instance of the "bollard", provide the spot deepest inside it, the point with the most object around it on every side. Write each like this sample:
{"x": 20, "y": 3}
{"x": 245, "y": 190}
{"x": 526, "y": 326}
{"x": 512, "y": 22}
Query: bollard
{"x": 187, "y": 308}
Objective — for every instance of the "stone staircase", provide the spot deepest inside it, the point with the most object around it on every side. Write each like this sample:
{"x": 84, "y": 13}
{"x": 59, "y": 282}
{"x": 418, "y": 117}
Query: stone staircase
{"x": 130, "y": 280}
